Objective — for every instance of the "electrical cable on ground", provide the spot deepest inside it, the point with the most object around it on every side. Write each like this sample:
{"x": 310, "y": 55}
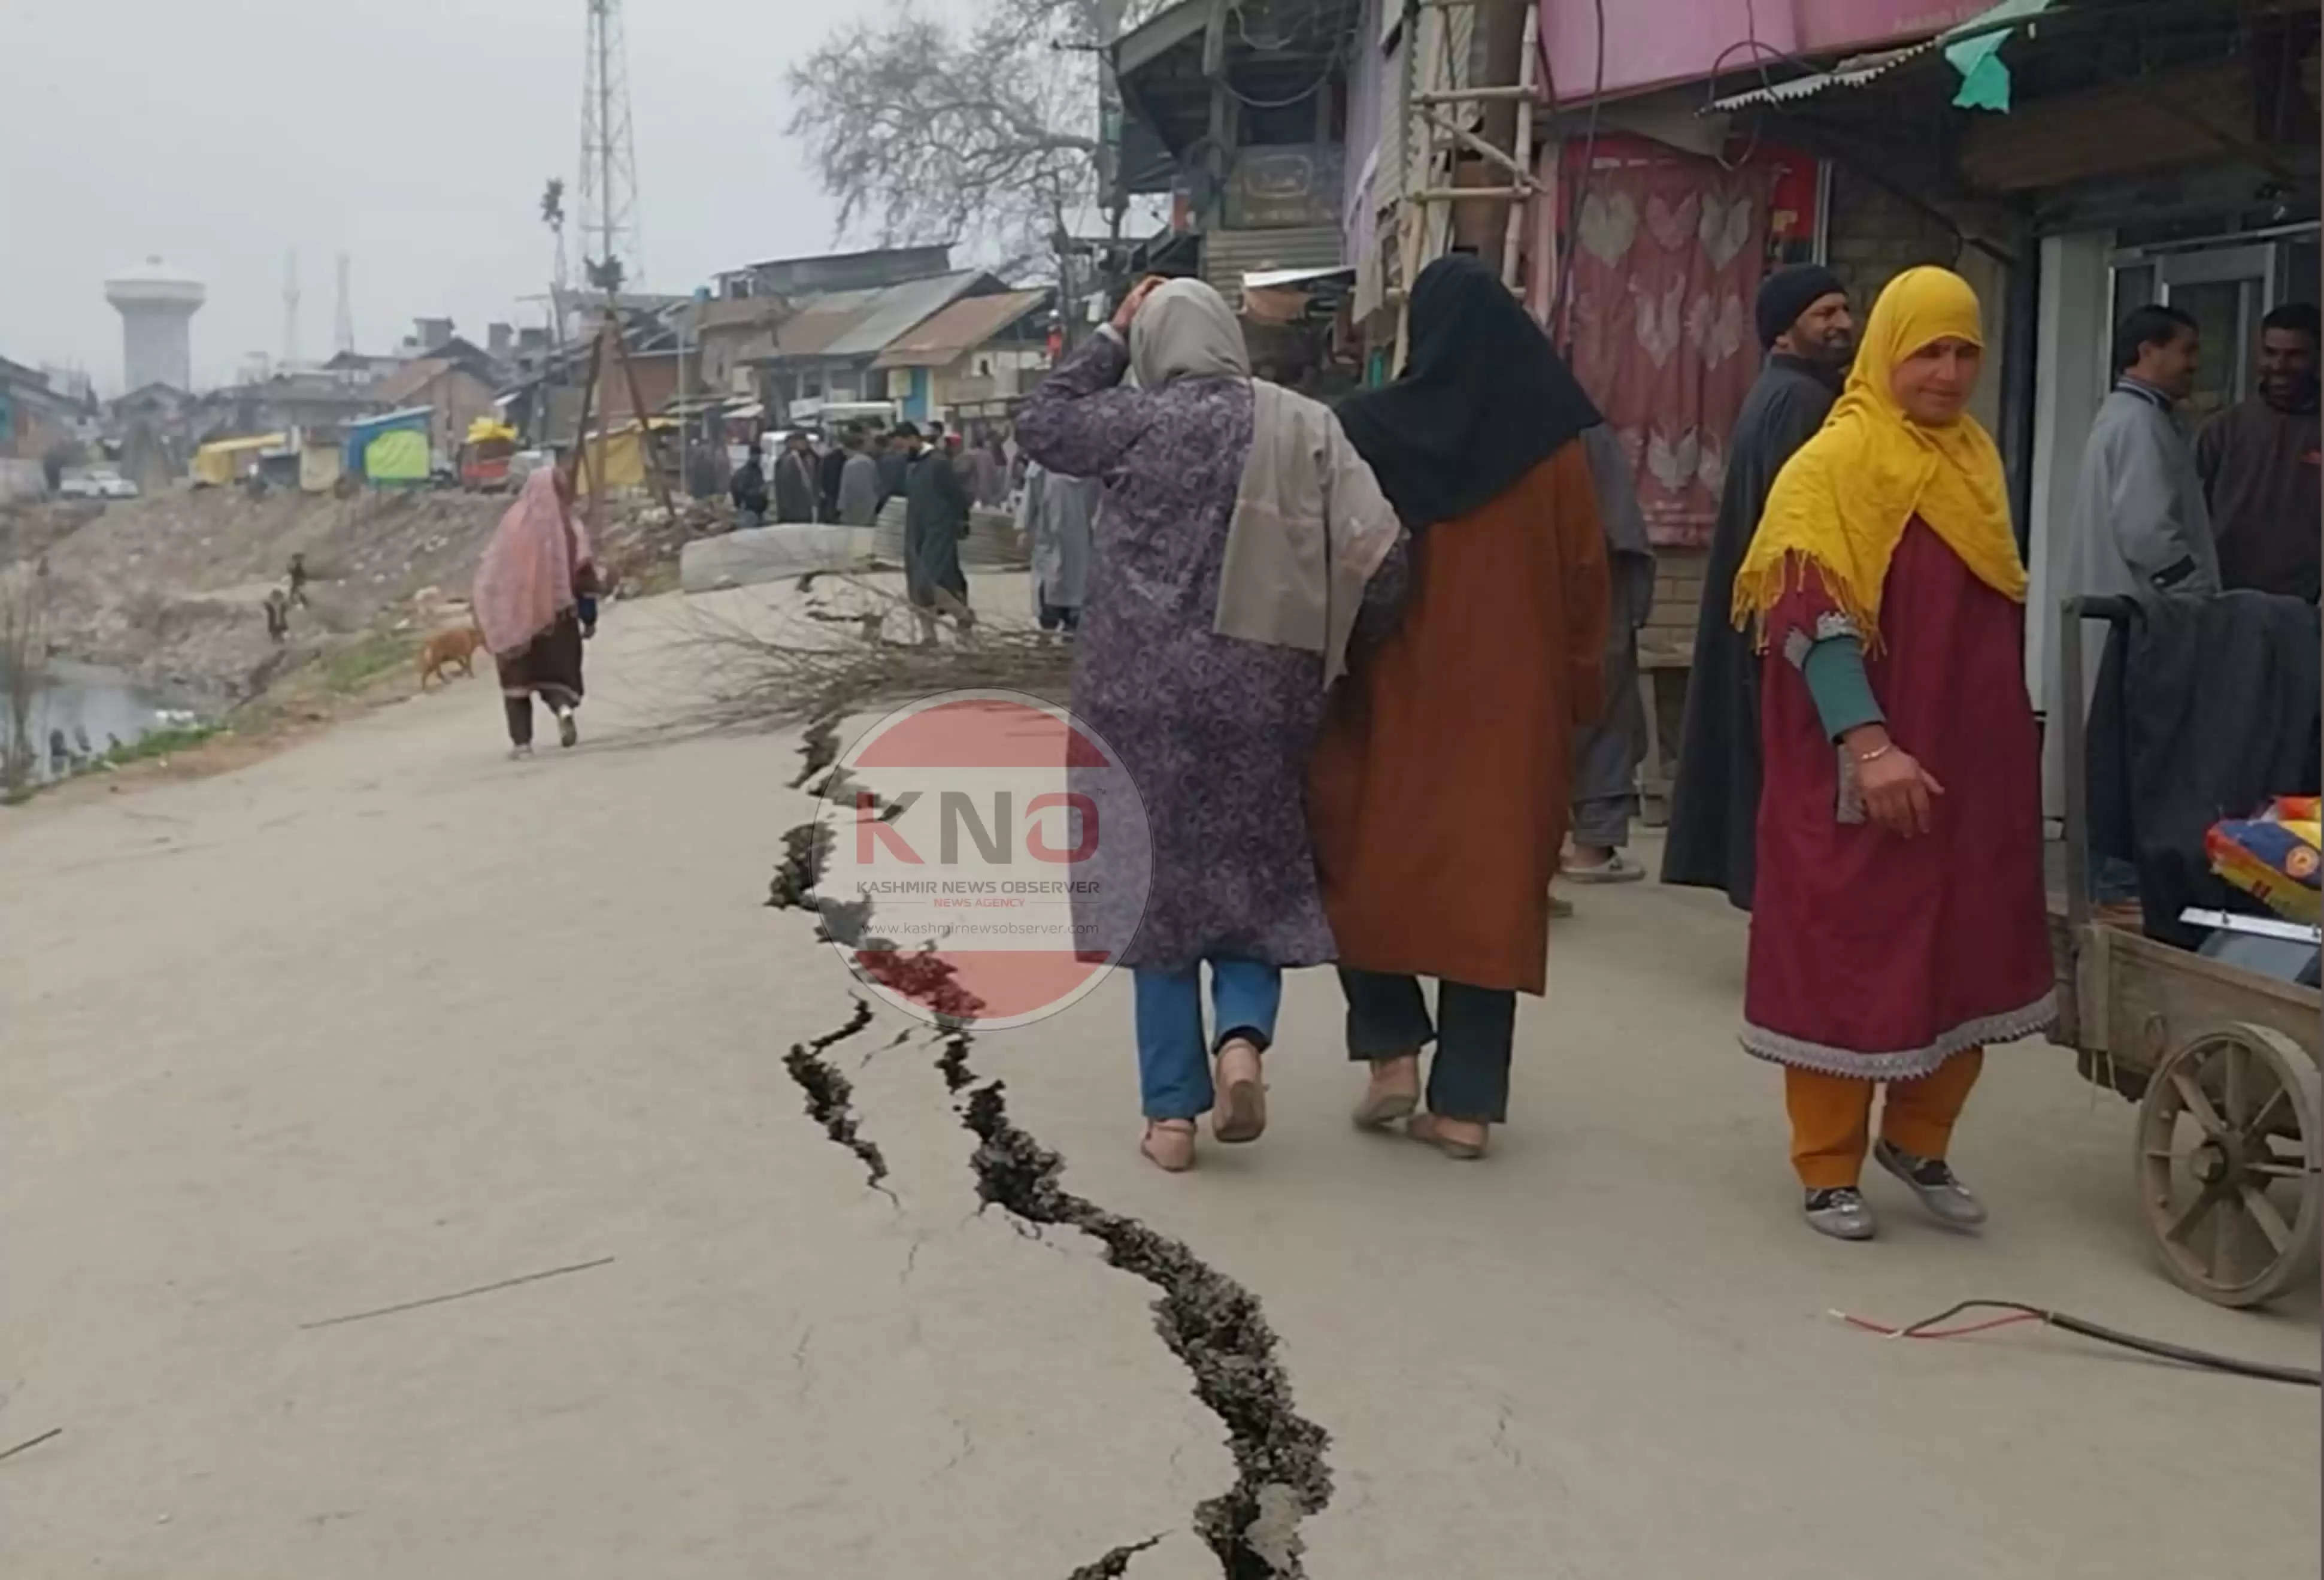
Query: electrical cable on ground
{"x": 1931, "y": 1327}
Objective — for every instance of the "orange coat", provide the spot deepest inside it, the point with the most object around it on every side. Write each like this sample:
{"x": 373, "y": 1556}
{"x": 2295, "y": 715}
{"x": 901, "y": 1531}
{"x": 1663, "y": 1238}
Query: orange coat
{"x": 1438, "y": 797}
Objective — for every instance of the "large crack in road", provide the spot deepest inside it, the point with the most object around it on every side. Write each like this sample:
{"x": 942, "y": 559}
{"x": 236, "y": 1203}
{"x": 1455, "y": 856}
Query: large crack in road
{"x": 1212, "y": 1324}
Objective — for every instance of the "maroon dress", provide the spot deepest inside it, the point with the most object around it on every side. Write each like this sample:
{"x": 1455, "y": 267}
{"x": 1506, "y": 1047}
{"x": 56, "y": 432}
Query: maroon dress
{"x": 1877, "y": 956}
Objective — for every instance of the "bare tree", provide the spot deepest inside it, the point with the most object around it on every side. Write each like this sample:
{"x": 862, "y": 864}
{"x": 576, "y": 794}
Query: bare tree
{"x": 988, "y": 133}
{"x": 23, "y": 666}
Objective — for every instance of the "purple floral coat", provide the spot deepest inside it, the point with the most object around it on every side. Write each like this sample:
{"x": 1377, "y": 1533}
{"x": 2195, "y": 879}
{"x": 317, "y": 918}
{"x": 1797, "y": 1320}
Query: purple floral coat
{"x": 1216, "y": 732}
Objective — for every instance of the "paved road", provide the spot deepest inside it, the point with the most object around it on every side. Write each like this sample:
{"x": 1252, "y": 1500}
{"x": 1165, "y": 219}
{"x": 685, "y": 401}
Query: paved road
{"x": 387, "y": 1018}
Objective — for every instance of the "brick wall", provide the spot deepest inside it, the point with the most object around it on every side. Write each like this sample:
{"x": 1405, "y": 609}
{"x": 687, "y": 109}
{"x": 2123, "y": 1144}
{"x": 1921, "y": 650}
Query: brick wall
{"x": 1678, "y": 594}
{"x": 1876, "y": 235}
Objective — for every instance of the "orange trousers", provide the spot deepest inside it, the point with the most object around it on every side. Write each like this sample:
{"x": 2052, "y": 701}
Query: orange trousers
{"x": 1831, "y": 1117}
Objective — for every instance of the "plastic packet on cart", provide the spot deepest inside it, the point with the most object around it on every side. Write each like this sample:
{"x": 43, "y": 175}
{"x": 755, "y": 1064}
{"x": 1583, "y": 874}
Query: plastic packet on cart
{"x": 2277, "y": 857}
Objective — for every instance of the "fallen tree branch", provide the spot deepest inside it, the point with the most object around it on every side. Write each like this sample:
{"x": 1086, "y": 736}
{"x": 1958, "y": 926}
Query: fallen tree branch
{"x": 837, "y": 655}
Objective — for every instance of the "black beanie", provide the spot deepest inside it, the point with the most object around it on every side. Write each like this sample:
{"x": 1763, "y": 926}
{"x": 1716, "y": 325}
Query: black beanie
{"x": 1787, "y": 293}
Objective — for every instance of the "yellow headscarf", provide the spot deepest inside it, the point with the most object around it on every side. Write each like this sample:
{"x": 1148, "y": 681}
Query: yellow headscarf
{"x": 1844, "y": 500}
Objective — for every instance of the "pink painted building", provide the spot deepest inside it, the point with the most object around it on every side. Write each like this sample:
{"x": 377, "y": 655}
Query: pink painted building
{"x": 1656, "y": 43}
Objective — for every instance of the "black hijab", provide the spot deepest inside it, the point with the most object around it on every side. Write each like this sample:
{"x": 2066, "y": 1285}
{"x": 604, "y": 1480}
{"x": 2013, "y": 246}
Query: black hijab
{"x": 1484, "y": 398}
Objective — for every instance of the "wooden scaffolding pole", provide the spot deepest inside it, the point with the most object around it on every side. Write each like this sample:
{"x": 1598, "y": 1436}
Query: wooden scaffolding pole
{"x": 1445, "y": 111}
{"x": 609, "y": 332}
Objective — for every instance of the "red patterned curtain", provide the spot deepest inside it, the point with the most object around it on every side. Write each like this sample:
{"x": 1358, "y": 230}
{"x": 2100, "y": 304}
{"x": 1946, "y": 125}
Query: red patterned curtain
{"x": 1666, "y": 259}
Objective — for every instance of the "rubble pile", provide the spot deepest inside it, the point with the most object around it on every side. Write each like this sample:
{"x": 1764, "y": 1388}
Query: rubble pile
{"x": 641, "y": 537}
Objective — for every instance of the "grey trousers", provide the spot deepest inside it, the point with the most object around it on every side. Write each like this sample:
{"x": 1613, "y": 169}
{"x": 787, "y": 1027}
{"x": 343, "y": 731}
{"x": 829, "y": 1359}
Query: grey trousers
{"x": 1606, "y": 758}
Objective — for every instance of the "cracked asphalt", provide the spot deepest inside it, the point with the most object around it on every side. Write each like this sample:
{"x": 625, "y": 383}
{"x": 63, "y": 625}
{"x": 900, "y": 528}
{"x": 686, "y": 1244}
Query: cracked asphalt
{"x": 388, "y": 1018}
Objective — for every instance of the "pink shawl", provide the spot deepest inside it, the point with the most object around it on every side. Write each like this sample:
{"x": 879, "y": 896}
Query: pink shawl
{"x": 526, "y": 579}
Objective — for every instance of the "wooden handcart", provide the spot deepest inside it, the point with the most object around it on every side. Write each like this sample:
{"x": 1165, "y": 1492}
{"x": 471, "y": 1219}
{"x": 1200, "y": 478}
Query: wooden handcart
{"x": 2221, "y": 1060}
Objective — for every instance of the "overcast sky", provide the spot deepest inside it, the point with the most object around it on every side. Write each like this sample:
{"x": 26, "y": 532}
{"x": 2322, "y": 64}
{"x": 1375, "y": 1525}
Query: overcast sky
{"x": 415, "y": 137}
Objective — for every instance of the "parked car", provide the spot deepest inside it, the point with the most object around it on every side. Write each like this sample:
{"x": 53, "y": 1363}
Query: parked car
{"x": 96, "y": 483}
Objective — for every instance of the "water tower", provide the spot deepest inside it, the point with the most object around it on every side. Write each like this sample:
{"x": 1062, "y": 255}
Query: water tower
{"x": 157, "y": 305}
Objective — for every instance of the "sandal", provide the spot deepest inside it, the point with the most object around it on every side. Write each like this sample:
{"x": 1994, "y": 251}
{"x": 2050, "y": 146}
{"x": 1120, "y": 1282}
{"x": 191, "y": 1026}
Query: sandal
{"x": 1241, "y": 1112}
{"x": 1384, "y": 1103}
{"x": 1169, "y": 1144}
{"x": 1616, "y": 868}
{"x": 1428, "y": 1128}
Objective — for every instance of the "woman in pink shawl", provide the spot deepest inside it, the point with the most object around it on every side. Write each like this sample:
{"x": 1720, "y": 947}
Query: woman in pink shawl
{"x": 536, "y": 599}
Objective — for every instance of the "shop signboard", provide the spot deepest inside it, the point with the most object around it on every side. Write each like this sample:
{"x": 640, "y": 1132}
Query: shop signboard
{"x": 1284, "y": 187}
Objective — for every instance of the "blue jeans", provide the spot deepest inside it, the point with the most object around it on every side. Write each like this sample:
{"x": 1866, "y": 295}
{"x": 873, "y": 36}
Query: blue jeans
{"x": 1174, "y": 1058}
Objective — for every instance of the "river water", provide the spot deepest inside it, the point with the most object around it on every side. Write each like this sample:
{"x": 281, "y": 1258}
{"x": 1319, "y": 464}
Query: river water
{"x": 101, "y": 706}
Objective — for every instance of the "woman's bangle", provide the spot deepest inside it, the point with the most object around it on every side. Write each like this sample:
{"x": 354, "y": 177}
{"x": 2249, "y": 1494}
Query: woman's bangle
{"x": 1876, "y": 753}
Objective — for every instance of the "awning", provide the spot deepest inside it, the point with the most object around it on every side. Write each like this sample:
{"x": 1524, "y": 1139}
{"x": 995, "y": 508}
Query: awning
{"x": 1853, "y": 72}
{"x": 1273, "y": 278}
{"x": 1971, "y": 46}
{"x": 236, "y": 447}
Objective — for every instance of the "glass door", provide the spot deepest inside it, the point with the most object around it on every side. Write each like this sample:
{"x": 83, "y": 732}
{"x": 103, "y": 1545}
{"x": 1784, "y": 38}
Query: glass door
{"x": 2227, "y": 291}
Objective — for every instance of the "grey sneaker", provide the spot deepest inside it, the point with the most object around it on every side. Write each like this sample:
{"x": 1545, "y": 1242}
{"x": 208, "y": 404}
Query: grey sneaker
{"x": 568, "y": 729}
{"x": 1840, "y": 1213}
{"x": 1940, "y": 1191}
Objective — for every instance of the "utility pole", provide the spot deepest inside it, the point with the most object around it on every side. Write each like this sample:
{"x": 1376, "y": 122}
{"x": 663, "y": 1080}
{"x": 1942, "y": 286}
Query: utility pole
{"x": 609, "y": 163}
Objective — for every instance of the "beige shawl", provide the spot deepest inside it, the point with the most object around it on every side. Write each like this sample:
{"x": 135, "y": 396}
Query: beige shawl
{"x": 1310, "y": 524}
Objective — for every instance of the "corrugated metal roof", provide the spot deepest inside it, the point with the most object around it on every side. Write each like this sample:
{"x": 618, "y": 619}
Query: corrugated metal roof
{"x": 411, "y": 379}
{"x": 1994, "y": 25}
{"x": 1854, "y": 72}
{"x": 962, "y": 327}
{"x": 897, "y": 309}
{"x": 1228, "y": 254}
{"x": 821, "y": 320}
{"x": 721, "y": 312}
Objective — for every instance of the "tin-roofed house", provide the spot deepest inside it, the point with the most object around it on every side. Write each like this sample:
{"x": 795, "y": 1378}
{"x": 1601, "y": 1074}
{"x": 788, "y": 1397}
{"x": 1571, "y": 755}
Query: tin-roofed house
{"x": 971, "y": 361}
{"x": 823, "y": 352}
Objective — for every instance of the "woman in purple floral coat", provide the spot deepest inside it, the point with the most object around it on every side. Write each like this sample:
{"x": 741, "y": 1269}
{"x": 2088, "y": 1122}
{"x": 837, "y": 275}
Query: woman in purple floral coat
{"x": 1214, "y": 729}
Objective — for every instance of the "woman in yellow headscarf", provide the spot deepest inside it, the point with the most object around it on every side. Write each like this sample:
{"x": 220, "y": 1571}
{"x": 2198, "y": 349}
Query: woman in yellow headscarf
{"x": 1900, "y": 923}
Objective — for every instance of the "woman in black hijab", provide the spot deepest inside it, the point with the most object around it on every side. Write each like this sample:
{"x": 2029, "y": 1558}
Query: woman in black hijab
{"x": 1484, "y": 398}
{"x": 1438, "y": 797}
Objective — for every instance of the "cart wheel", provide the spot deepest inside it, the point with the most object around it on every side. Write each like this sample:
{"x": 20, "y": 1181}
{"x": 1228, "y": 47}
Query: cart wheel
{"x": 2231, "y": 1164}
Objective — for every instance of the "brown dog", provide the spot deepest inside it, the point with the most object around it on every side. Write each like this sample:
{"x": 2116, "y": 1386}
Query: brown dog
{"x": 447, "y": 648}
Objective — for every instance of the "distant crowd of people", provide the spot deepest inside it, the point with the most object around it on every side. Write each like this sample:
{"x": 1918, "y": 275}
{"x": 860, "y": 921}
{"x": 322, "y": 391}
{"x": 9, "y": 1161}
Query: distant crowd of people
{"x": 940, "y": 480}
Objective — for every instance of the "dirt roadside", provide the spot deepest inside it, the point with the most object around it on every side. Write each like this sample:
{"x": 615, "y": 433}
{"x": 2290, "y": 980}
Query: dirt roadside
{"x": 169, "y": 590}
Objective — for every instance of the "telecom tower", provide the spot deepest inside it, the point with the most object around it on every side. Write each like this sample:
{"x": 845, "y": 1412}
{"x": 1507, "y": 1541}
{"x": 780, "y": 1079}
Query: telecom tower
{"x": 609, "y": 161}
{"x": 343, "y": 331}
{"x": 291, "y": 309}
